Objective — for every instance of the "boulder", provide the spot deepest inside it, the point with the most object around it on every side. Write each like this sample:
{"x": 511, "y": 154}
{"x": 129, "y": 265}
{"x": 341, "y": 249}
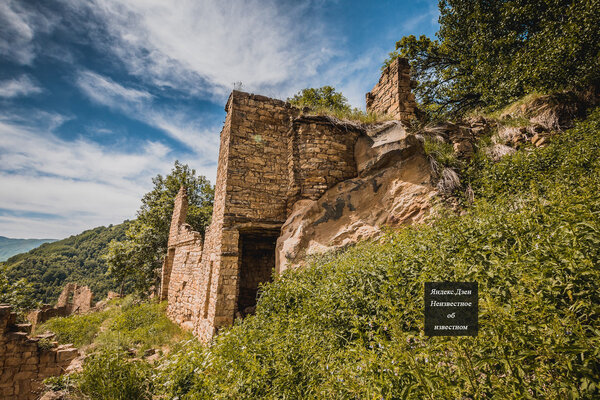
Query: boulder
{"x": 395, "y": 189}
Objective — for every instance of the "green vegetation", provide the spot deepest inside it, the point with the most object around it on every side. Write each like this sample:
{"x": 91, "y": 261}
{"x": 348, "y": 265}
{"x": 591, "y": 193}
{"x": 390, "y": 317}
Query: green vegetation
{"x": 124, "y": 324}
{"x": 115, "y": 339}
{"x": 48, "y": 267}
{"x": 136, "y": 261}
{"x": 350, "y": 325}
{"x": 489, "y": 53}
{"x": 112, "y": 375}
{"x": 326, "y": 101}
{"x": 322, "y": 98}
{"x": 10, "y": 247}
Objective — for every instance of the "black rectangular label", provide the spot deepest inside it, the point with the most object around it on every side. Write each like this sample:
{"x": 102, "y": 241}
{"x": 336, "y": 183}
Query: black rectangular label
{"x": 451, "y": 309}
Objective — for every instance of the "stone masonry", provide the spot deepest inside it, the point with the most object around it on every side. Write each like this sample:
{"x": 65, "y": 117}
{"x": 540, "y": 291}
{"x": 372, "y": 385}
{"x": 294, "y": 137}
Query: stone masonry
{"x": 392, "y": 94}
{"x": 73, "y": 299}
{"x": 270, "y": 157}
{"x": 24, "y": 361}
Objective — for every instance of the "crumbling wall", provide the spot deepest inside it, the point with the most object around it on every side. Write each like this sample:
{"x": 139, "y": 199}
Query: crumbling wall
{"x": 24, "y": 362}
{"x": 73, "y": 299}
{"x": 320, "y": 155}
{"x": 392, "y": 94}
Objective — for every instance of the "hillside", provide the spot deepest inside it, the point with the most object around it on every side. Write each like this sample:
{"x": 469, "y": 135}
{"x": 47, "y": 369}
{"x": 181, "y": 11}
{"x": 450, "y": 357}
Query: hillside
{"x": 77, "y": 258}
{"x": 349, "y": 325}
{"x": 10, "y": 247}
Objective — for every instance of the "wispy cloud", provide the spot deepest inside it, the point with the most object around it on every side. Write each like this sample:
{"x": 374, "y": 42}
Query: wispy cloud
{"x": 18, "y": 27}
{"x": 80, "y": 183}
{"x": 21, "y": 86}
{"x": 205, "y": 46}
{"x": 200, "y": 137}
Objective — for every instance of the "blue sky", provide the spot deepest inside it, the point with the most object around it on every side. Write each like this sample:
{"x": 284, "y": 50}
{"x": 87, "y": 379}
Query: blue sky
{"x": 99, "y": 96}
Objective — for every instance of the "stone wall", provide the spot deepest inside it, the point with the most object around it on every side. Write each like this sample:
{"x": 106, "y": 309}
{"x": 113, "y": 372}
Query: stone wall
{"x": 24, "y": 362}
{"x": 392, "y": 94}
{"x": 320, "y": 155}
{"x": 73, "y": 299}
{"x": 270, "y": 157}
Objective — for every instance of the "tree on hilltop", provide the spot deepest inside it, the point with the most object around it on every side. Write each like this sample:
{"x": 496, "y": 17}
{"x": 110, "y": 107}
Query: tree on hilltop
{"x": 324, "y": 97}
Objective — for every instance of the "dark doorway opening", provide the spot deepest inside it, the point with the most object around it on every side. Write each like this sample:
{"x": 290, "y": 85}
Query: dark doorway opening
{"x": 257, "y": 261}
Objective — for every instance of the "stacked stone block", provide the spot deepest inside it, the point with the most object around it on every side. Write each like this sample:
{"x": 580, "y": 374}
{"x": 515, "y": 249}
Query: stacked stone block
{"x": 73, "y": 299}
{"x": 392, "y": 94}
{"x": 24, "y": 363}
{"x": 321, "y": 154}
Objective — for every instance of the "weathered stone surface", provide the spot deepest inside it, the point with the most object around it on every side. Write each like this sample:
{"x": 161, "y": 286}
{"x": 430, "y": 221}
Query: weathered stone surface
{"x": 392, "y": 95}
{"x": 24, "y": 365}
{"x": 271, "y": 157}
{"x": 74, "y": 299}
{"x": 398, "y": 193}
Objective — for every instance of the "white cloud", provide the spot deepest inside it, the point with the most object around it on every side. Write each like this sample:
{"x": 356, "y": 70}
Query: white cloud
{"x": 21, "y": 86}
{"x": 105, "y": 91}
{"x": 137, "y": 104}
{"x": 80, "y": 183}
{"x": 19, "y": 25}
{"x": 205, "y": 46}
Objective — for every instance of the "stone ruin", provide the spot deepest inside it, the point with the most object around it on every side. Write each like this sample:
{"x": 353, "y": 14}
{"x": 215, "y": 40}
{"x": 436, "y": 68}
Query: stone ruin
{"x": 26, "y": 361}
{"x": 73, "y": 299}
{"x": 272, "y": 159}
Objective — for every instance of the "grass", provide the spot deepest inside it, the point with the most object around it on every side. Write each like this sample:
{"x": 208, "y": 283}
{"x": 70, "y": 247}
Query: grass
{"x": 349, "y": 326}
{"x": 124, "y": 324}
{"x": 355, "y": 115}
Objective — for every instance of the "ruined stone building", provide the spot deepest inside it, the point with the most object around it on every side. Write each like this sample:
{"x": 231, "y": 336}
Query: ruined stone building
{"x": 74, "y": 299}
{"x": 272, "y": 158}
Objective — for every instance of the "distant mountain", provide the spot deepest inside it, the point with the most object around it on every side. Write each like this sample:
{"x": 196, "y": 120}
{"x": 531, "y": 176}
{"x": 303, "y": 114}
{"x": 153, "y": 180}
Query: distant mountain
{"x": 77, "y": 258}
{"x": 9, "y": 247}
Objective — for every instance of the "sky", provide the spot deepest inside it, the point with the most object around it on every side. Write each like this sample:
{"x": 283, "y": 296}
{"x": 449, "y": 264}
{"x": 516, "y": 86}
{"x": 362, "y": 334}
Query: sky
{"x": 99, "y": 96}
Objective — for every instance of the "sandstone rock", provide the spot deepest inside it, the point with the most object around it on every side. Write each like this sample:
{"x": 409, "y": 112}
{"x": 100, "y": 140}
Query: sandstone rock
{"x": 497, "y": 151}
{"x": 382, "y": 145}
{"x": 357, "y": 209}
{"x": 464, "y": 149}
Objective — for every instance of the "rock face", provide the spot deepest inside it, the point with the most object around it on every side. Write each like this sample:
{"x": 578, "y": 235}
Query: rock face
{"x": 394, "y": 188}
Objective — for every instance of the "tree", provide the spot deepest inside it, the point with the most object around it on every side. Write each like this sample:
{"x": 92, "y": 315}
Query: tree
{"x": 16, "y": 293}
{"x": 136, "y": 261}
{"x": 322, "y": 98}
{"x": 490, "y": 53}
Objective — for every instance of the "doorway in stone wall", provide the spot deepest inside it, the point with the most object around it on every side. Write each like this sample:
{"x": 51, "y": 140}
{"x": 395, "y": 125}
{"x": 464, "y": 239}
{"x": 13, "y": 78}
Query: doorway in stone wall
{"x": 256, "y": 264}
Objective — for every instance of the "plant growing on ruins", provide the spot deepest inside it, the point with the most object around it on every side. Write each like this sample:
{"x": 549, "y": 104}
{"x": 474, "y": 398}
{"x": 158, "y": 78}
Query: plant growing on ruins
{"x": 489, "y": 53}
{"x": 322, "y": 98}
{"x": 136, "y": 260}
